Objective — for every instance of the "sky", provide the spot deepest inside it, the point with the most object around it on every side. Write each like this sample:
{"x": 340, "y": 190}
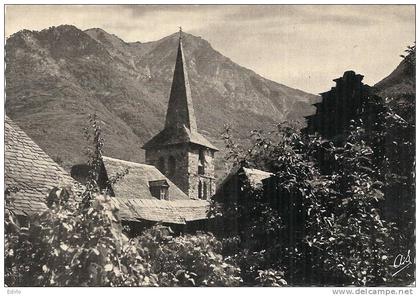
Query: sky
{"x": 301, "y": 46}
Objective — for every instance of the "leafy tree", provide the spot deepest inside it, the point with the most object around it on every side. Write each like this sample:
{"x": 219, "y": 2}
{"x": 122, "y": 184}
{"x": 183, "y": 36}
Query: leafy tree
{"x": 324, "y": 223}
{"x": 68, "y": 246}
{"x": 389, "y": 128}
{"x": 390, "y": 131}
{"x": 354, "y": 240}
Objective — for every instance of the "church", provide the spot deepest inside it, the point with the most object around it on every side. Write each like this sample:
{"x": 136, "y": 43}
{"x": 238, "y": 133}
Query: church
{"x": 176, "y": 183}
{"x": 179, "y": 151}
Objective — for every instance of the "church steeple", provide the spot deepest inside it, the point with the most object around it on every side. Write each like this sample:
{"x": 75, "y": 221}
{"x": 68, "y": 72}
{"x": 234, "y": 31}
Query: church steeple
{"x": 180, "y": 111}
{"x": 179, "y": 151}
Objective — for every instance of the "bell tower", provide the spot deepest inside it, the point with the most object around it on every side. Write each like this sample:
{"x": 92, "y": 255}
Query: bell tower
{"x": 179, "y": 151}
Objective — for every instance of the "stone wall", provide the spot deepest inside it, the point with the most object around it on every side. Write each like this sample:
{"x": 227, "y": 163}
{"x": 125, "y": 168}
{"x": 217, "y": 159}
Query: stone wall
{"x": 195, "y": 178}
{"x": 180, "y": 178}
{"x": 186, "y": 175}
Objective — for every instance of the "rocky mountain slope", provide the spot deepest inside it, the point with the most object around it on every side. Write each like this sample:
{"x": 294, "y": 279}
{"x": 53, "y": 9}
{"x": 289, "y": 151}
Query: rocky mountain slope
{"x": 399, "y": 88}
{"x": 56, "y": 77}
{"x": 401, "y": 81}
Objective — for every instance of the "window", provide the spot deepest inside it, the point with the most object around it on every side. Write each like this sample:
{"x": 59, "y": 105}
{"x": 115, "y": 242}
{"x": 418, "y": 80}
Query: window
{"x": 172, "y": 165}
{"x": 205, "y": 190}
{"x": 161, "y": 165}
{"x": 201, "y": 162}
{"x": 159, "y": 189}
{"x": 164, "y": 193}
{"x": 200, "y": 190}
{"x": 210, "y": 189}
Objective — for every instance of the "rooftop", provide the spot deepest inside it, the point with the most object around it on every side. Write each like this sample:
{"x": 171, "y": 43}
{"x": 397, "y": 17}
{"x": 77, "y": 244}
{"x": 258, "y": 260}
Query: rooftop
{"x": 254, "y": 176}
{"x": 30, "y": 171}
{"x": 165, "y": 211}
{"x": 136, "y": 202}
{"x": 174, "y": 137}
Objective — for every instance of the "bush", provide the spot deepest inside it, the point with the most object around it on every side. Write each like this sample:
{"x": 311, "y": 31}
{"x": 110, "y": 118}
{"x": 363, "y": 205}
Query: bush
{"x": 188, "y": 260}
{"x": 72, "y": 245}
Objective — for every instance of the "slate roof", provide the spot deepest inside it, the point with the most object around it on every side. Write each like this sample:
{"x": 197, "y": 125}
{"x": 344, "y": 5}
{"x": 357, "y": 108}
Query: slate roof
{"x": 169, "y": 137}
{"x": 180, "y": 107}
{"x": 167, "y": 211}
{"x": 180, "y": 124}
{"x": 136, "y": 183}
{"x": 135, "y": 201}
{"x": 30, "y": 170}
{"x": 254, "y": 176}
{"x": 158, "y": 183}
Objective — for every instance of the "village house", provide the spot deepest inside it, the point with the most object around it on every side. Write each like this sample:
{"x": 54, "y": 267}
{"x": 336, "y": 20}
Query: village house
{"x": 240, "y": 177}
{"x": 338, "y": 106}
{"x": 234, "y": 193}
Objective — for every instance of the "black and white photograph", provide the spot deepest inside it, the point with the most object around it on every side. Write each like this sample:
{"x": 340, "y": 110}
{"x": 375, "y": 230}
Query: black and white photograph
{"x": 209, "y": 145}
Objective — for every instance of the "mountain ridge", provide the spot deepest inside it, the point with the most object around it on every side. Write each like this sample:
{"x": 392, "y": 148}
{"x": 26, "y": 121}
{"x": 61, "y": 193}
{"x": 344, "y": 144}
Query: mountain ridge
{"x": 56, "y": 76}
{"x": 401, "y": 80}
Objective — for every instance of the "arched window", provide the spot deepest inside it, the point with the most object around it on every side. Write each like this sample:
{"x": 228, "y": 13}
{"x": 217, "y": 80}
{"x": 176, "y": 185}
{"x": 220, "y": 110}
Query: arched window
{"x": 200, "y": 190}
{"x": 205, "y": 190}
{"x": 171, "y": 165}
{"x": 161, "y": 165}
{"x": 210, "y": 189}
{"x": 201, "y": 162}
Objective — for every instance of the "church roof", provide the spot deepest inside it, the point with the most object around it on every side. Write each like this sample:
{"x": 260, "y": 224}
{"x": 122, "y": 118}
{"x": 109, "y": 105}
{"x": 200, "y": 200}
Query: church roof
{"x": 135, "y": 184}
{"x": 180, "y": 108}
{"x": 29, "y": 172}
{"x": 136, "y": 202}
{"x": 180, "y": 124}
{"x": 168, "y": 137}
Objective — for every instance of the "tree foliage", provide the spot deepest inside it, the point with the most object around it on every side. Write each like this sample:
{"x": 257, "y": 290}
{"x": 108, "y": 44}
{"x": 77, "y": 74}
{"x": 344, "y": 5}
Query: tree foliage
{"x": 78, "y": 241}
{"x": 321, "y": 213}
{"x": 342, "y": 208}
{"x": 410, "y": 58}
{"x": 187, "y": 260}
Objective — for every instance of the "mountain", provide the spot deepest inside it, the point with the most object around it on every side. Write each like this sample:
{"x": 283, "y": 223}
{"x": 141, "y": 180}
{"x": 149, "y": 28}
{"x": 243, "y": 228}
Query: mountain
{"x": 399, "y": 88}
{"x": 401, "y": 81}
{"x": 57, "y": 76}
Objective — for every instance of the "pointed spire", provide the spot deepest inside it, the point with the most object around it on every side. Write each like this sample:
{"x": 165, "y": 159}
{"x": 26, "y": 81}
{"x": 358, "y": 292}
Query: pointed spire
{"x": 180, "y": 108}
{"x": 180, "y": 125}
